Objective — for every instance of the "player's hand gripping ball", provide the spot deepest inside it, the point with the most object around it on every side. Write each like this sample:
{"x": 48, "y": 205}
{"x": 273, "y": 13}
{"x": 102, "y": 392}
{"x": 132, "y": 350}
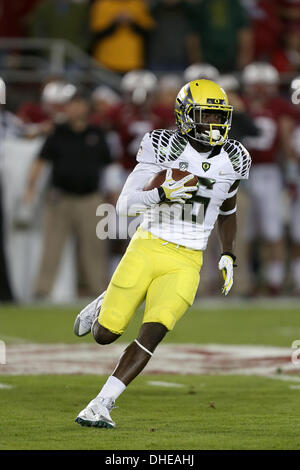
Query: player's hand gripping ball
{"x": 173, "y": 185}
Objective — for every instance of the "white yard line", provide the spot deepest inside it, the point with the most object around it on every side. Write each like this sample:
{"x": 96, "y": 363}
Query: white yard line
{"x": 284, "y": 378}
{"x": 5, "y": 387}
{"x": 182, "y": 359}
{"x": 13, "y": 339}
{"x": 157, "y": 383}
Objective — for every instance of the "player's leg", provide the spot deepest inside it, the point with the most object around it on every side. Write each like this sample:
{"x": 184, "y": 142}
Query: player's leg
{"x": 170, "y": 293}
{"x": 252, "y": 231}
{"x": 272, "y": 229}
{"x": 125, "y": 292}
{"x": 131, "y": 363}
{"x": 103, "y": 335}
{"x": 139, "y": 352}
{"x": 168, "y": 298}
{"x": 265, "y": 220}
{"x": 124, "y": 277}
{"x": 242, "y": 271}
{"x": 295, "y": 236}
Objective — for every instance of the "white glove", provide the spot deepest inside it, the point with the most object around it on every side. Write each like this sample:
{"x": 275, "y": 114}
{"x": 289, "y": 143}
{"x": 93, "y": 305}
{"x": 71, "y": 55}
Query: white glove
{"x": 226, "y": 266}
{"x": 175, "y": 191}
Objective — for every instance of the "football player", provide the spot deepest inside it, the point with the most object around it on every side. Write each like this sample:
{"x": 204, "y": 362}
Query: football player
{"x": 293, "y": 181}
{"x": 163, "y": 260}
{"x": 201, "y": 70}
{"x": 274, "y": 117}
{"x": 163, "y": 105}
{"x": 134, "y": 116}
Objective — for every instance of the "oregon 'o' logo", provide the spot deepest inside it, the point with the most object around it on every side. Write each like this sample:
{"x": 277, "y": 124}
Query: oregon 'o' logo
{"x": 205, "y": 166}
{"x": 215, "y": 101}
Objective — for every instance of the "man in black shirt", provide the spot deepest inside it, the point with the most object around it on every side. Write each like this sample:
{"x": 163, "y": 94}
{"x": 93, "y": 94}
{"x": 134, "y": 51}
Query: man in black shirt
{"x": 77, "y": 153}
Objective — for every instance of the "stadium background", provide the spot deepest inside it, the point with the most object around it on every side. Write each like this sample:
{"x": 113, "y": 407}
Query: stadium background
{"x": 48, "y": 45}
{"x": 47, "y": 42}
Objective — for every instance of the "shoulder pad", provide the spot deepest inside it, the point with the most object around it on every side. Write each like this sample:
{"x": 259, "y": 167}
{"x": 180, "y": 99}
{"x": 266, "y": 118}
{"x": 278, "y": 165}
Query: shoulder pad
{"x": 239, "y": 157}
{"x": 168, "y": 145}
{"x": 146, "y": 153}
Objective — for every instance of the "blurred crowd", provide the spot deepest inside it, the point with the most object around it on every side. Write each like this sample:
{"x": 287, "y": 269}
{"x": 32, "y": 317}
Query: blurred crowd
{"x": 90, "y": 137}
{"x": 165, "y": 35}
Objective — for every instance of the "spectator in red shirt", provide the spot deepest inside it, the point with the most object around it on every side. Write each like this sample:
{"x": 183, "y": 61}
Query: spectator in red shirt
{"x": 104, "y": 99}
{"x": 266, "y": 26}
{"x": 287, "y": 59}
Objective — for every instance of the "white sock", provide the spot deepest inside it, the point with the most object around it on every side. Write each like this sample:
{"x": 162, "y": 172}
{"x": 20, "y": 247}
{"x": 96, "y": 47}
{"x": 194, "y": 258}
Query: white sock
{"x": 296, "y": 272}
{"x": 275, "y": 273}
{"x": 112, "y": 388}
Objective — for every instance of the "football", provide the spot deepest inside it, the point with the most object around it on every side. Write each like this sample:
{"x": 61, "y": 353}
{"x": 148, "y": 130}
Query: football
{"x": 160, "y": 177}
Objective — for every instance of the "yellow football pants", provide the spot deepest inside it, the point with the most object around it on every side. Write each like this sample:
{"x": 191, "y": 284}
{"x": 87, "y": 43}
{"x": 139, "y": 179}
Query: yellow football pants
{"x": 164, "y": 274}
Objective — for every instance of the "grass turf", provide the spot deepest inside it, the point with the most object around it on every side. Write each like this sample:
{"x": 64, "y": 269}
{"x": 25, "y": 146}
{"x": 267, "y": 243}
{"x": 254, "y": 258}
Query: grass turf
{"x": 247, "y": 325}
{"x": 208, "y": 412}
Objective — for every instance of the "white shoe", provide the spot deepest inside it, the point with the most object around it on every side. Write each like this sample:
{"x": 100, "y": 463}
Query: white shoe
{"x": 96, "y": 414}
{"x": 87, "y": 316}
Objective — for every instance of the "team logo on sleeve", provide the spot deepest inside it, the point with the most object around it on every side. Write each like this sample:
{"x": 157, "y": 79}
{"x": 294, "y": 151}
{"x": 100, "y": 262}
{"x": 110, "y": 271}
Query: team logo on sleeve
{"x": 205, "y": 166}
{"x": 183, "y": 166}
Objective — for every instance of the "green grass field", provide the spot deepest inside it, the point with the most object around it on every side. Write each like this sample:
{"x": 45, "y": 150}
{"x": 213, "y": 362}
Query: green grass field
{"x": 206, "y": 412}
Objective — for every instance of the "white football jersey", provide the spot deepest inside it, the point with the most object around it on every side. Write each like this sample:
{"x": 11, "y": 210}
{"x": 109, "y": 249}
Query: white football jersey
{"x": 188, "y": 224}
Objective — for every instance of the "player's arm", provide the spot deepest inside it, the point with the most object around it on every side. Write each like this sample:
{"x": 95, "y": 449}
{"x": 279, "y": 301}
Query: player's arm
{"x": 134, "y": 200}
{"x": 227, "y": 228}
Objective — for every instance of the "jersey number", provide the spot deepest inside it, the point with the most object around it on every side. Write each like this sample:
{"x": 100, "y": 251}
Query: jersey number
{"x": 268, "y": 131}
{"x": 192, "y": 210}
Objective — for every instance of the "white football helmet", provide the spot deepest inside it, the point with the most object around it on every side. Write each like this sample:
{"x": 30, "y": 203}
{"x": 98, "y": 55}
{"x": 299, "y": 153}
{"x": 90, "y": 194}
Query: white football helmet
{"x": 260, "y": 72}
{"x": 201, "y": 71}
{"x": 105, "y": 93}
{"x": 138, "y": 84}
{"x": 58, "y": 92}
{"x": 169, "y": 81}
{"x": 228, "y": 82}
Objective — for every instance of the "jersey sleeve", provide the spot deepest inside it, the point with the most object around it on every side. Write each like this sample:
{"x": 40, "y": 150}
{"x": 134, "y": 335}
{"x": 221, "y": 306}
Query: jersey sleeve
{"x": 133, "y": 200}
{"x": 239, "y": 158}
